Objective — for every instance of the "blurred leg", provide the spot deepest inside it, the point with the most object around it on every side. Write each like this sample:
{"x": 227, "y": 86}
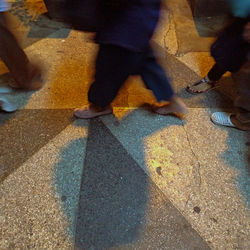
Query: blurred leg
{"x": 14, "y": 57}
{"x": 113, "y": 66}
{"x": 242, "y": 102}
{"x": 155, "y": 78}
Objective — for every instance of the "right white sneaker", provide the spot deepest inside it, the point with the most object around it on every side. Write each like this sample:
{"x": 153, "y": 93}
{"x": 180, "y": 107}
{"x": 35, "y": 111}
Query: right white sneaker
{"x": 222, "y": 118}
{"x": 5, "y": 90}
{"x": 6, "y": 106}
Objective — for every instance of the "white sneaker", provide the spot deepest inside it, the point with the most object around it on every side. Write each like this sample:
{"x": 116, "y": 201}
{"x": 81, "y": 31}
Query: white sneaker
{"x": 6, "y": 106}
{"x": 5, "y": 90}
{"x": 222, "y": 118}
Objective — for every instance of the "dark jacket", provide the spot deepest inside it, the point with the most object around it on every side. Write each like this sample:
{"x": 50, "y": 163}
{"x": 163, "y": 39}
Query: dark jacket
{"x": 132, "y": 26}
{"x": 126, "y": 23}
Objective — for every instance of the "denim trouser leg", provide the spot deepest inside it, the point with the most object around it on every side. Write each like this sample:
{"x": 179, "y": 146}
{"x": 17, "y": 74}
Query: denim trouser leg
{"x": 155, "y": 78}
{"x": 242, "y": 102}
{"x": 115, "y": 64}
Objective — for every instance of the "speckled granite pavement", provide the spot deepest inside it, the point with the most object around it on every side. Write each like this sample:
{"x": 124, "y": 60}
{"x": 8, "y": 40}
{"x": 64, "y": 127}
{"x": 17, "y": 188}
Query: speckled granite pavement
{"x": 132, "y": 180}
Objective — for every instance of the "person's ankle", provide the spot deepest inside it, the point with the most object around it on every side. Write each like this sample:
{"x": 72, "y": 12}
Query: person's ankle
{"x": 98, "y": 108}
{"x": 175, "y": 100}
{"x": 209, "y": 80}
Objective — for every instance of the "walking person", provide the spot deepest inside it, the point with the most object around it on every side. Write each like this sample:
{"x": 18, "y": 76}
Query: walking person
{"x": 26, "y": 75}
{"x": 229, "y": 51}
{"x": 240, "y": 119}
{"x": 125, "y": 50}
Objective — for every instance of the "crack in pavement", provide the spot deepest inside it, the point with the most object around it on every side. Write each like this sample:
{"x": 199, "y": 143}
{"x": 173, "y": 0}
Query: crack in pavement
{"x": 171, "y": 26}
{"x": 168, "y": 13}
{"x": 196, "y": 157}
{"x": 188, "y": 199}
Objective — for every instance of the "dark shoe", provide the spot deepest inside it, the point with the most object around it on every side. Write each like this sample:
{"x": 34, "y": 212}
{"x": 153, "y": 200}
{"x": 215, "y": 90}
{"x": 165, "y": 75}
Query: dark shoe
{"x": 201, "y": 86}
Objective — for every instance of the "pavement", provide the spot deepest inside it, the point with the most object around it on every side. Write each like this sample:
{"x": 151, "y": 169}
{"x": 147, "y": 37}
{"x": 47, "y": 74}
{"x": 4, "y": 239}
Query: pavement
{"x": 132, "y": 180}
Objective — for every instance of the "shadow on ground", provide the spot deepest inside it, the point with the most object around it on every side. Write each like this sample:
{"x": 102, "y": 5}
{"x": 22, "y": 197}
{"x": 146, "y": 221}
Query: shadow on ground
{"x": 114, "y": 194}
{"x": 23, "y": 133}
{"x": 119, "y": 206}
{"x": 239, "y": 146}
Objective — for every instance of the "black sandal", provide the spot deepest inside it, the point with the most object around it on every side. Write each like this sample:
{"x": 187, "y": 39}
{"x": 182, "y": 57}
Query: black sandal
{"x": 205, "y": 80}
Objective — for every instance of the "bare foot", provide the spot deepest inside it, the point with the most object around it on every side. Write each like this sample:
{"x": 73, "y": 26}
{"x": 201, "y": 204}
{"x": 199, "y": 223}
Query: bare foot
{"x": 175, "y": 106}
{"x": 34, "y": 82}
{"x": 92, "y": 111}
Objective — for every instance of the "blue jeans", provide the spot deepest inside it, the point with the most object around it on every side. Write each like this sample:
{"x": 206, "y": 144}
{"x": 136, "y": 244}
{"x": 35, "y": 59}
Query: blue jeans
{"x": 115, "y": 64}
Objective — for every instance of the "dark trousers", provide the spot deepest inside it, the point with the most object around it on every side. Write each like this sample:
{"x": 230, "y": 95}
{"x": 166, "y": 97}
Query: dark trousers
{"x": 216, "y": 73}
{"x": 229, "y": 50}
{"x": 12, "y": 54}
{"x": 242, "y": 102}
{"x": 115, "y": 64}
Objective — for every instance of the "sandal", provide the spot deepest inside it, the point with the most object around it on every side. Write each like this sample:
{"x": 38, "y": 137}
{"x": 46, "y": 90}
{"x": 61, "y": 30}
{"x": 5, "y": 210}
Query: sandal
{"x": 89, "y": 112}
{"x": 202, "y": 86}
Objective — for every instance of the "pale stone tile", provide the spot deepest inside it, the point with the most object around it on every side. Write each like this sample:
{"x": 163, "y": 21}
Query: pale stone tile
{"x": 197, "y": 166}
{"x": 39, "y": 201}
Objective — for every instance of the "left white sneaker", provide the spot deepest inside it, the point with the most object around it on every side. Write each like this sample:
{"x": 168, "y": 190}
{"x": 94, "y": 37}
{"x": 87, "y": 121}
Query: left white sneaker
{"x": 5, "y": 90}
{"x": 6, "y": 106}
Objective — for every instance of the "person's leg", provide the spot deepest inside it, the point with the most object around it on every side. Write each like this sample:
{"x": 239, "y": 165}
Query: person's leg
{"x": 229, "y": 52}
{"x": 215, "y": 74}
{"x": 113, "y": 66}
{"x": 25, "y": 74}
{"x": 240, "y": 119}
{"x": 156, "y": 80}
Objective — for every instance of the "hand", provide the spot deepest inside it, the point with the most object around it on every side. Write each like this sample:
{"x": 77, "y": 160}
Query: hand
{"x": 246, "y": 33}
